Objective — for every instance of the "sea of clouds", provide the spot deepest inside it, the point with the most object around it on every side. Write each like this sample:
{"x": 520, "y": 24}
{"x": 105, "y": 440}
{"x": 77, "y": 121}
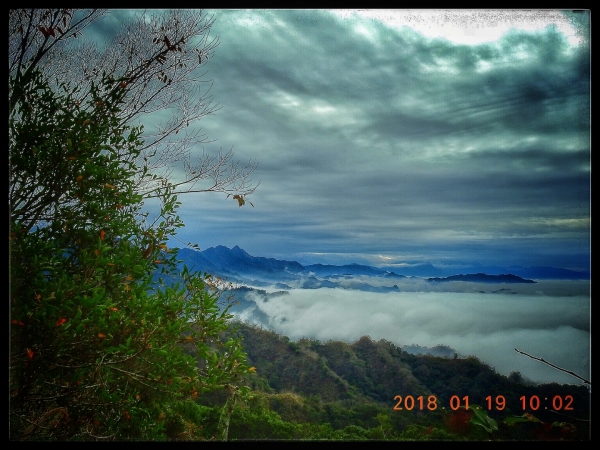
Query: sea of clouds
{"x": 487, "y": 325}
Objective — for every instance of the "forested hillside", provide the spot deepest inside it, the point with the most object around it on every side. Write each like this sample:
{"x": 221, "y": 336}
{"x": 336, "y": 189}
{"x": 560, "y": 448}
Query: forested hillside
{"x": 309, "y": 389}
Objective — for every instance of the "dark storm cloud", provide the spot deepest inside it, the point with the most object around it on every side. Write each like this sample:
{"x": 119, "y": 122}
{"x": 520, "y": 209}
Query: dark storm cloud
{"x": 372, "y": 137}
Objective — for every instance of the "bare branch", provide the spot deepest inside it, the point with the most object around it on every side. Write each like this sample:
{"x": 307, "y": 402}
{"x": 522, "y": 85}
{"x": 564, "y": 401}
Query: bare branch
{"x": 224, "y": 174}
{"x": 160, "y": 60}
{"x": 556, "y": 367}
{"x": 35, "y": 33}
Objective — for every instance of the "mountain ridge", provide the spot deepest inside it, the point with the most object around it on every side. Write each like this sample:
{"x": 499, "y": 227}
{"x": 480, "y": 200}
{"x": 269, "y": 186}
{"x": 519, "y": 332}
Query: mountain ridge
{"x": 236, "y": 262}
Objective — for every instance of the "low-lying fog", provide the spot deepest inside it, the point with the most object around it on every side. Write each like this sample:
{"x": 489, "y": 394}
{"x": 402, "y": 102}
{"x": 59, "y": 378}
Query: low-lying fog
{"x": 549, "y": 319}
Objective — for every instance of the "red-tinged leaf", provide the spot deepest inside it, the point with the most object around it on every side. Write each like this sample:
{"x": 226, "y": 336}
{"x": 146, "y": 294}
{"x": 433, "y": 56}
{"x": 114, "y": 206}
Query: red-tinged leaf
{"x": 59, "y": 322}
{"x": 102, "y": 235}
{"x": 240, "y": 200}
{"x": 30, "y": 353}
{"x": 101, "y": 336}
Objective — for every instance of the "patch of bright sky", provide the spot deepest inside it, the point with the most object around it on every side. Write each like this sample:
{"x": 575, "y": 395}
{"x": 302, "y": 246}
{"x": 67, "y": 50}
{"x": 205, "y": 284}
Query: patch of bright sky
{"x": 581, "y": 223}
{"x": 469, "y": 27}
{"x": 315, "y": 110}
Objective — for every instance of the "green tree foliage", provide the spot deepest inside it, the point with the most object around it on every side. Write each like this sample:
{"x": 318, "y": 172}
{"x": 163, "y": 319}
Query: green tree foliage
{"x": 99, "y": 349}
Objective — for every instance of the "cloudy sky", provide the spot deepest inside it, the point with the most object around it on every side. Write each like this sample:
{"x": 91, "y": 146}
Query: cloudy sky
{"x": 402, "y": 136}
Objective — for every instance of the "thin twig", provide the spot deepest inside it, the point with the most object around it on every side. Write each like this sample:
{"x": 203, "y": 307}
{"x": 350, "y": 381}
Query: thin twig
{"x": 556, "y": 367}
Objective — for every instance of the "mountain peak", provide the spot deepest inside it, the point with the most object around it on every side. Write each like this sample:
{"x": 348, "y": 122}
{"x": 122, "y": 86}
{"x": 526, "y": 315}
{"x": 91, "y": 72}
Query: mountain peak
{"x": 237, "y": 262}
{"x": 239, "y": 251}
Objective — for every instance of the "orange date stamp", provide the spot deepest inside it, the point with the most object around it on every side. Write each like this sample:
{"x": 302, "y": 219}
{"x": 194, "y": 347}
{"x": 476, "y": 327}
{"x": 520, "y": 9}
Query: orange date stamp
{"x": 498, "y": 402}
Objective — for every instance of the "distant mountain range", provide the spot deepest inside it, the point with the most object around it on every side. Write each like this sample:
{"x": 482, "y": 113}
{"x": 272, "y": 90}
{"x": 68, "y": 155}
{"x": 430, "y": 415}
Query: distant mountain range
{"x": 349, "y": 269}
{"x": 237, "y": 264}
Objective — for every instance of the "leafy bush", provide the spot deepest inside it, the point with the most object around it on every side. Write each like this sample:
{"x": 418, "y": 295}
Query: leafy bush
{"x": 99, "y": 349}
